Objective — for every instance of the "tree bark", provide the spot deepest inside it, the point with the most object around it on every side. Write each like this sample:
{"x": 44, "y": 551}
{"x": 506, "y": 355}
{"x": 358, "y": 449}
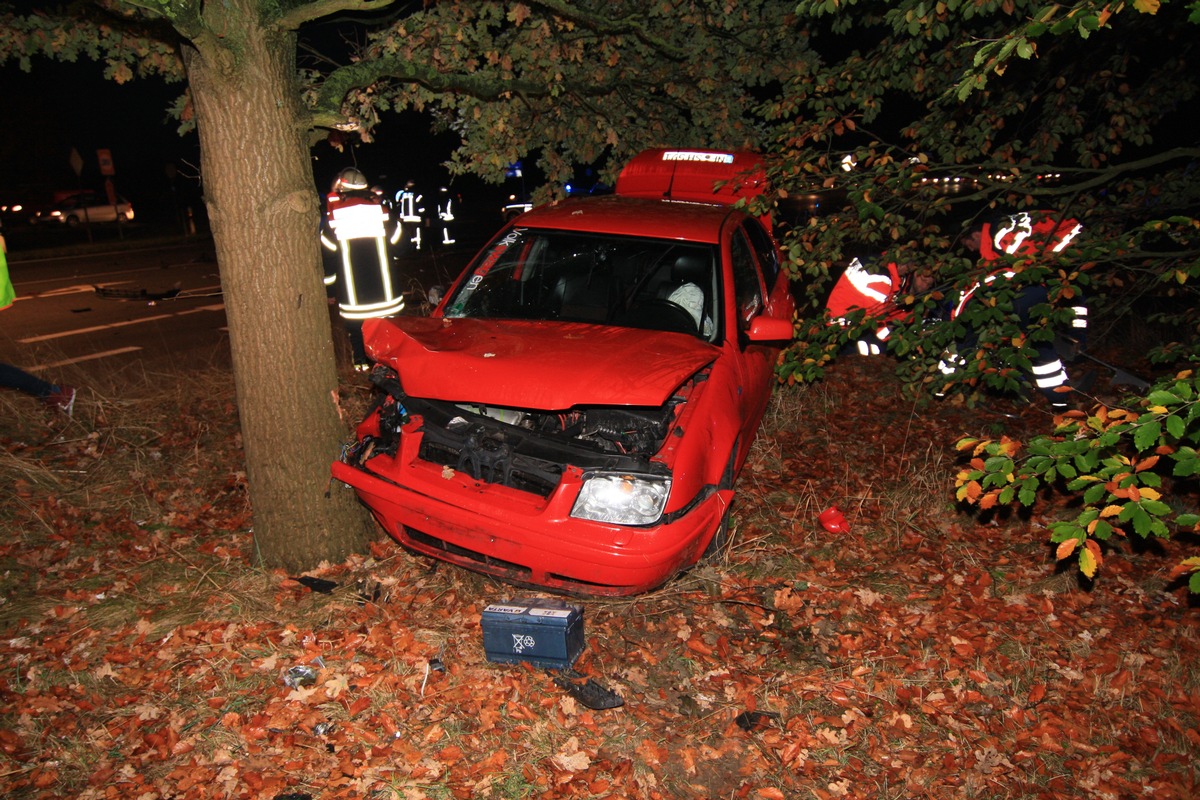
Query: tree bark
{"x": 264, "y": 211}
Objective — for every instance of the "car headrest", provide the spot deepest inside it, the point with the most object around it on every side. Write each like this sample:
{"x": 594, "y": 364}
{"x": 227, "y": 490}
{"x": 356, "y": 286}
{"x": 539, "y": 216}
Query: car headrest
{"x": 690, "y": 268}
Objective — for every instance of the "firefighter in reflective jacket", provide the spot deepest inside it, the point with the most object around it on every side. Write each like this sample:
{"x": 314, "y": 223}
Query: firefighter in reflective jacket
{"x": 410, "y": 208}
{"x": 873, "y": 293}
{"x": 356, "y": 230}
{"x": 445, "y": 214}
{"x": 1025, "y": 237}
{"x": 875, "y": 290}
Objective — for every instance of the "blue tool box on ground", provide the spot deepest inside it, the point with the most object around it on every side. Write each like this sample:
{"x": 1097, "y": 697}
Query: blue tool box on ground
{"x": 542, "y": 631}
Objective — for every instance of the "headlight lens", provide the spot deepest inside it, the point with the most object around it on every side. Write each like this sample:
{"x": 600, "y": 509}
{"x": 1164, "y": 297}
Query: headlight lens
{"x": 622, "y": 499}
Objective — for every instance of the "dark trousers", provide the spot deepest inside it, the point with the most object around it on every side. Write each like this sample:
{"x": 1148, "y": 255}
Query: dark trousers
{"x": 16, "y": 378}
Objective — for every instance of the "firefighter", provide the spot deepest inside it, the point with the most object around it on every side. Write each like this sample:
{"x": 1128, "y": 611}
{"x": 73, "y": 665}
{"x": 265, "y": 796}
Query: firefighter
{"x": 875, "y": 289}
{"x": 1005, "y": 244}
{"x": 410, "y": 211}
{"x": 359, "y": 269}
{"x": 445, "y": 214}
{"x": 874, "y": 293}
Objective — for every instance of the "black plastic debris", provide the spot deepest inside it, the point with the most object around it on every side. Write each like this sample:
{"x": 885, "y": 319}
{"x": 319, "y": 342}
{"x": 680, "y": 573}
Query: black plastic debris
{"x": 316, "y": 584}
{"x": 587, "y": 691}
{"x": 134, "y": 294}
{"x": 756, "y": 720}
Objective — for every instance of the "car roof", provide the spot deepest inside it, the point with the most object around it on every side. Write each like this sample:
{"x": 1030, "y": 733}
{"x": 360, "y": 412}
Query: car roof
{"x": 630, "y": 216}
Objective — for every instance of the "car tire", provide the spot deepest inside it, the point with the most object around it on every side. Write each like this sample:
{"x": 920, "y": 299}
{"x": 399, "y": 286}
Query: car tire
{"x": 72, "y": 221}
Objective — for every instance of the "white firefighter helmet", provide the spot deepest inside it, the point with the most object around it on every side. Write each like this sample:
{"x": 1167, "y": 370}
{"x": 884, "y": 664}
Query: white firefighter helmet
{"x": 350, "y": 180}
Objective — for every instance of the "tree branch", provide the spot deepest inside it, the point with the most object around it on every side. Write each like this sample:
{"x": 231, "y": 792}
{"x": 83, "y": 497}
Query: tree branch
{"x": 307, "y": 12}
{"x": 345, "y": 79}
{"x": 604, "y": 25}
{"x": 1104, "y": 176}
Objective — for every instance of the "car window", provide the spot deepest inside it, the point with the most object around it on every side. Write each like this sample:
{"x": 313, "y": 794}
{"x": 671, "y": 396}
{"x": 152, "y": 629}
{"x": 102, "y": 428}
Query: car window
{"x": 747, "y": 284}
{"x": 764, "y": 248}
{"x": 570, "y": 276}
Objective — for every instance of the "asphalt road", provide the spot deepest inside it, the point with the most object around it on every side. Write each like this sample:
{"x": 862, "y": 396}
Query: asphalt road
{"x": 142, "y": 303}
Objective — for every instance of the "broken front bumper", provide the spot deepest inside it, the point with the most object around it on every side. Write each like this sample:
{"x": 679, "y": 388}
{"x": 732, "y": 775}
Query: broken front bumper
{"x": 521, "y": 537}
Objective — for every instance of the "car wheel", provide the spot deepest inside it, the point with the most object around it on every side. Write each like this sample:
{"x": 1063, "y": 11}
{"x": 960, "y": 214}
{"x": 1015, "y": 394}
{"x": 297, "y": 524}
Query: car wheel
{"x": 720, "y": 540}
{"x": 72, "y": 221}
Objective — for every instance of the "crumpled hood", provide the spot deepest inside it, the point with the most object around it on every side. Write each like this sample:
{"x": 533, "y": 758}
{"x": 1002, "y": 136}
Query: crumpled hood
{"x": 535, "y": 365}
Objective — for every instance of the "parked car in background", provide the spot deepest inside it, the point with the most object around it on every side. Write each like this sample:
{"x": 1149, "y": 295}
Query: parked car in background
{"x": 575, "y": 412}
{"x": 82, "y": 208}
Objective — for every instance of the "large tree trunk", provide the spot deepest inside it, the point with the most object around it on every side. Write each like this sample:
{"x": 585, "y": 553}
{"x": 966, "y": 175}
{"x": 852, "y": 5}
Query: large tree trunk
{"x": 264, "y": 210}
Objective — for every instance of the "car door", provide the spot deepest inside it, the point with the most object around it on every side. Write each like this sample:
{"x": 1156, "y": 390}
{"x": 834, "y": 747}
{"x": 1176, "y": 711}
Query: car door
{"x": 751, "y": 362}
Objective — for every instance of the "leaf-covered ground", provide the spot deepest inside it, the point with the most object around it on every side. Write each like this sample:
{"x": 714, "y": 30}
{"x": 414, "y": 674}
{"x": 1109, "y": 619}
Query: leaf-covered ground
{"x": 924, "y": 653}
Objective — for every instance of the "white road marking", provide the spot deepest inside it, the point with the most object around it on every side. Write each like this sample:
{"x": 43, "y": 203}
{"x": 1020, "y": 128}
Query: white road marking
{"x": 79, "y": 331}
{"x": 92, "y": 357}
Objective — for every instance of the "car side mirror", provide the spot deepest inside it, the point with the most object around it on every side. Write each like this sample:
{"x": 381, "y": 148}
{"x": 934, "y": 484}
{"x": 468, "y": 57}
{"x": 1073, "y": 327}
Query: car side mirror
{"x": 770, "y": 329}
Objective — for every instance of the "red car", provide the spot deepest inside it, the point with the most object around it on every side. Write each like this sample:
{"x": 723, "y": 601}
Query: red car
{"x": 574, "y": 413}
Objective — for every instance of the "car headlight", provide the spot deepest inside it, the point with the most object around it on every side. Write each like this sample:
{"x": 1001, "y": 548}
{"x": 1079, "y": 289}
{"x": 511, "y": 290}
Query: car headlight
{"x": 622, "y": 499}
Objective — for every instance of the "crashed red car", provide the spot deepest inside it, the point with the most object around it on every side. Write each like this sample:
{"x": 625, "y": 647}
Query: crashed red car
{"x": 574, "y": 413}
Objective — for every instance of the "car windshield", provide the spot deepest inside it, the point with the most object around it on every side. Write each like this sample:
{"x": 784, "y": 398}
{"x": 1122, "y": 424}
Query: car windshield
{"x": 625, "y": 281}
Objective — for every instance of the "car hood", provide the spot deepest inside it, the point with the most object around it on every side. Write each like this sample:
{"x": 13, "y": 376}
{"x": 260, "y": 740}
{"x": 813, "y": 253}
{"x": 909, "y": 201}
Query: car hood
{"x": 538, "y": 365}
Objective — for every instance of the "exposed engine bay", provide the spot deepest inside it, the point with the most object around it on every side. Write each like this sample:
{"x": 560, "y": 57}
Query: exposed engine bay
{"x": 522, "y": 449}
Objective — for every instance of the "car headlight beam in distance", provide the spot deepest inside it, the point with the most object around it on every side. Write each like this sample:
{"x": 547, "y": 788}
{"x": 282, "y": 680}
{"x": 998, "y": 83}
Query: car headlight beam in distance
{"x": 622, "y": 499}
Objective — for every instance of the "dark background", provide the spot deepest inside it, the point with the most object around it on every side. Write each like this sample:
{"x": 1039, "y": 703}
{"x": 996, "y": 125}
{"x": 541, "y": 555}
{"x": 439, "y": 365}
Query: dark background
{"x": 57, "y": 107}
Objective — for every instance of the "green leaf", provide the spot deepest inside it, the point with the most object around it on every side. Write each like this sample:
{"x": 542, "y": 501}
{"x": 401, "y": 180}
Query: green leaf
{"x": 1094, "y": 494}
{"x": 1061, "y": 531}
{"x": 1146, "y": 436}
{"x": 1143, "y": 525}
{"x": 1155, "y": 507}
{"x": 1162, "y": 397}
{"x": 1186, "y": 467}
{"x": 1001, "y": 464}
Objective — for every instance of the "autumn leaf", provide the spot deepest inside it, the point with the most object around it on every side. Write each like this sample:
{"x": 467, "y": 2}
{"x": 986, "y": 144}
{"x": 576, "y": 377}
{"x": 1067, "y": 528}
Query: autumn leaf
{"x": 572, "y": 762}
{"x": 1087, "y": 561}
{"x": 336, "y": 685}
{"x": 1065, "y": 548}
{"x": 1184, "y": 567}
{"x": 301, "y": 694}
{"x": 788, "y": 600}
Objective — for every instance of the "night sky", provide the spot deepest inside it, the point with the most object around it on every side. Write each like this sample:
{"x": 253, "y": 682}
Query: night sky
{"x": 58, "y": 107}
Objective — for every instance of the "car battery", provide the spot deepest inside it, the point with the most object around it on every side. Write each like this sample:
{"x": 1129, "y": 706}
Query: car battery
{"x": 541, "y": 631}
